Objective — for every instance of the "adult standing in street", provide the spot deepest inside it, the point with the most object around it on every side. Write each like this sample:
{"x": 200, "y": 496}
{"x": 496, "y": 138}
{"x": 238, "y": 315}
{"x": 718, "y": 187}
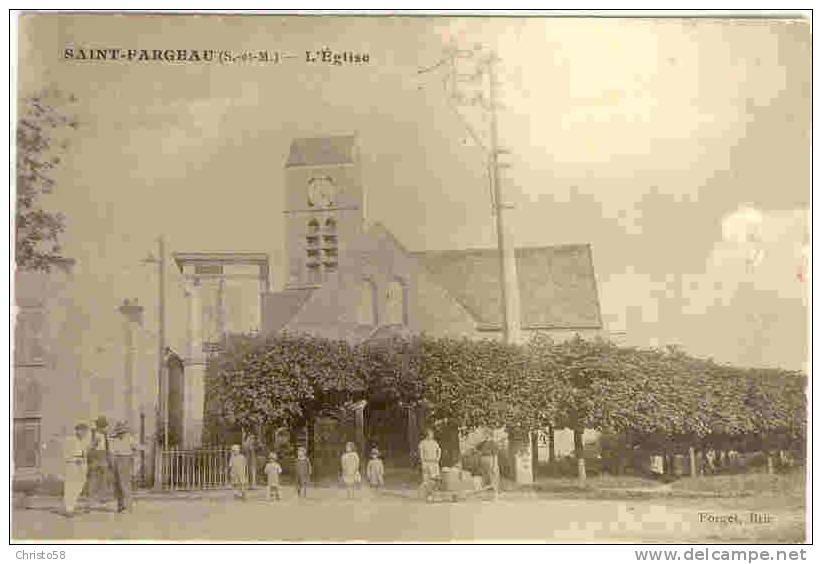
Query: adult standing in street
{"x": 75, "y": 449}
{"x": 250, "y": 445}
{"x": 489, "y": 462}
{"x": 430, "y": 454}
{"x": 99, "y": 464}
{"x": 122, "y": 448}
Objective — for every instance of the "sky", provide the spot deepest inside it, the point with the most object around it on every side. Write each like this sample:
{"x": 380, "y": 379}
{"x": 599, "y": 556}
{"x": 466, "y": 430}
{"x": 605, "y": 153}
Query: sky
{"x": 678, "y": 148}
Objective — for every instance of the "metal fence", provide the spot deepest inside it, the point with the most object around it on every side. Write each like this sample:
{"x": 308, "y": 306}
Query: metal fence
{"x": 195, "y": 469}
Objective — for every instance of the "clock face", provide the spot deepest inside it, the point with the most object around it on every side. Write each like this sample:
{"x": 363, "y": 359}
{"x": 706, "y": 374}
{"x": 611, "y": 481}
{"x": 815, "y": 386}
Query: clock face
{"x": 322, "y": 192}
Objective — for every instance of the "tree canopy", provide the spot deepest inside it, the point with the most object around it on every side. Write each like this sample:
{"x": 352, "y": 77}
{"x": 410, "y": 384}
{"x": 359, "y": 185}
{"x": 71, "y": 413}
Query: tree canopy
{"x": 575, "y": 383}
{"x": 39, "y": 144}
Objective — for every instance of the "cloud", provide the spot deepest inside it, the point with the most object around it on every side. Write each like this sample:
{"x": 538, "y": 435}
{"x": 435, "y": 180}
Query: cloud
{"x": 767, "y": 249}
{"x": 174, "y": 136}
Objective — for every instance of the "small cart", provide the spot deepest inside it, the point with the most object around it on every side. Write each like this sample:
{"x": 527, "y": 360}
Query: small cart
{"x": 453, "y": 485}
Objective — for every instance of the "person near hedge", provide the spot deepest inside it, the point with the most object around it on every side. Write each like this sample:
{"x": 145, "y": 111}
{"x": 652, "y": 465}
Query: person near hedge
{"x": 122, "y": 448}
{"x": 272, "y": 472}
{"x": 489, "y": 462}
{"x": 100, "y": 478}
{"x": 302, "y": 467}
{"x": 350, "y": 466}
{"x": 75, "y": 451}
{"x": 239, "y": 471}
{"x": 375, "y": 470}
{"x": 430, "y": 454}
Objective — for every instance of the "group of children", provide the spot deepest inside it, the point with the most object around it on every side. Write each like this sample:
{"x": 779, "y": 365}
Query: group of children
{"x": 349, "y": 463}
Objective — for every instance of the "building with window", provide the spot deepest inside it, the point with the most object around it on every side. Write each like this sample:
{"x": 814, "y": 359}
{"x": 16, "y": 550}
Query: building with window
{"x": 352, "y": 279}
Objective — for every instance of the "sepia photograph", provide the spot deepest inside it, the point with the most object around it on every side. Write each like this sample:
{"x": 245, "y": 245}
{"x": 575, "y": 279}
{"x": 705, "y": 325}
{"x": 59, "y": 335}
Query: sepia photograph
{"x": 406, "y": 277}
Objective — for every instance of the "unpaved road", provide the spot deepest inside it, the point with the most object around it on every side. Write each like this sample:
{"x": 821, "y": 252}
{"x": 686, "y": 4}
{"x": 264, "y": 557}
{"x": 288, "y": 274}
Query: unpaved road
{"x": 327, "y": 516}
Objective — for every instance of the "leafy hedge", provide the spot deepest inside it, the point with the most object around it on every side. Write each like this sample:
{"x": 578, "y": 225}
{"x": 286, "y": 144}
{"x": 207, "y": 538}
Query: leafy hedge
{"x": 640, "y": 393}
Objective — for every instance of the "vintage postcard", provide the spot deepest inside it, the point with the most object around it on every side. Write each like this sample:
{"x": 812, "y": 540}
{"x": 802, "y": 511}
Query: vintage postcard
{"x": 403, "y": 277}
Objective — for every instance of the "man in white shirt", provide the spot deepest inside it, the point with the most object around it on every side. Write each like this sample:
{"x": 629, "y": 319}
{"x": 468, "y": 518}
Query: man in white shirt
{"x": 74, "y": 453}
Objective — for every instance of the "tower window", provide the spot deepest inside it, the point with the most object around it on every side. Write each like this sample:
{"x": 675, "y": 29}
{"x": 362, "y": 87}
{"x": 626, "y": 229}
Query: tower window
{"x": 312, "y": 240}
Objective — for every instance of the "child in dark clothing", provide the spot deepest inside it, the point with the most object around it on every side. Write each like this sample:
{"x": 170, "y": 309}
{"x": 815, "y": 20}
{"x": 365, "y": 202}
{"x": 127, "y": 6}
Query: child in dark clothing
{"x": 303, "y": 471}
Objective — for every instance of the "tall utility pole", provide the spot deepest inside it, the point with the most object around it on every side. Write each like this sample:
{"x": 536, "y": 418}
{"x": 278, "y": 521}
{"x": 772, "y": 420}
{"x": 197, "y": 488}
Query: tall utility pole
{"x": 162, "y": 381}
{"x": 507, "y": 257}
{"x": 161, "y": 334}
{"x": 487, "y": 99}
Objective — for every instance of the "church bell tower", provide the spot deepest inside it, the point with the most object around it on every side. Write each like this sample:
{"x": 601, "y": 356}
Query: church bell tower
{"x": 324, "y": 206}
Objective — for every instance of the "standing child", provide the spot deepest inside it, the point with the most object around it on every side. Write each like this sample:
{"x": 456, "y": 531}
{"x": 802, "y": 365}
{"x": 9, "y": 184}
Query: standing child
{"x": 350, "y": 463}
{"x": 239, "y": 471}
{"x": 272, "y": 471}
{"x": 375, "y": 470}
{"x": 303, "y": 471}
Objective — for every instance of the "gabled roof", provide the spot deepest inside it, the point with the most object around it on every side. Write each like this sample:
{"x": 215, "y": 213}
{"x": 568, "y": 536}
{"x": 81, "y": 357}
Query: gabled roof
{"x": 556, "y": 283}
{"x": 321, "y": 151}
{"x": 280, "y": 307}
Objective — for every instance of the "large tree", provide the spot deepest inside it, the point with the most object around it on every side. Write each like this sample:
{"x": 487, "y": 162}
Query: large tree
{"x": 40, "y": 139}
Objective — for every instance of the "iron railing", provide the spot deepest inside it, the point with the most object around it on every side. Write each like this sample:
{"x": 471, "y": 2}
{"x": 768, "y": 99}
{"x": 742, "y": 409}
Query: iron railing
{"x": 195, "y": 469}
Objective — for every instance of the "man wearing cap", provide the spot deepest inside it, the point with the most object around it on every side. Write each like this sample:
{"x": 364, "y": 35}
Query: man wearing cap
{"x": 74, "y": 454}
{"x": 99, "y": 463}
{"x": 122, "y": 447}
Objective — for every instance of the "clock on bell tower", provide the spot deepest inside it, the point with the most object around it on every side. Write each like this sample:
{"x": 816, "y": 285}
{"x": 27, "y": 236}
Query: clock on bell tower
{"x": 323, "y": 210}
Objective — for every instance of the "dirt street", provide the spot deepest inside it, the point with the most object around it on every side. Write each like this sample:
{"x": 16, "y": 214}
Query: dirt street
{"x": 326, "y": 515}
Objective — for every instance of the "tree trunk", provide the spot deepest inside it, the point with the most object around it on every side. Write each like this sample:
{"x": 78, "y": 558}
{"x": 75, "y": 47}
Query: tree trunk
{"x": 551, "y": 449}
{"x": 413, "y": 435}
{"x": 534, "y": 453}
{"x": 450, "y": 445}
{"x": 579, "y": 452}
{"x": 692, "y": 454}
{"x": 359, "y": 427}
{"x": 310, "y": 439}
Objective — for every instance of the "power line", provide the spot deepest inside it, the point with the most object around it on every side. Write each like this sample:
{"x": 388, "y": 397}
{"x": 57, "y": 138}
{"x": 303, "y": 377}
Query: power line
{"x": 484, "y": 74}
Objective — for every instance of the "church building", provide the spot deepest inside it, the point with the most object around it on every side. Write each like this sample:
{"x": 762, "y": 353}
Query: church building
{"x": 350, "y": 278}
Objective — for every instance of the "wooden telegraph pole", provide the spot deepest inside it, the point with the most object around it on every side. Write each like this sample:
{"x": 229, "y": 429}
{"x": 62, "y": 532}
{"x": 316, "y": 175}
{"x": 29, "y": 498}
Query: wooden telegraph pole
{"x": 487, "y": 99}
{"x": 508, "y": 266}
{"x": 162, "y": 381}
